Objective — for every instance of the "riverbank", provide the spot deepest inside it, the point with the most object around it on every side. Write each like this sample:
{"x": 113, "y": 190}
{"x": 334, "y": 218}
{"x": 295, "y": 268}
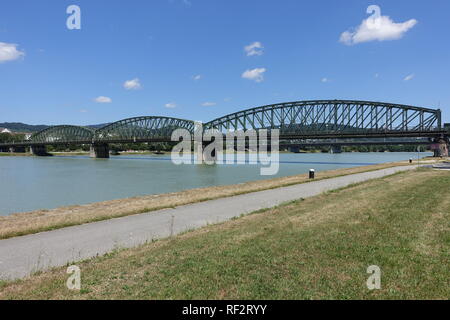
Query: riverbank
{"x": 121, "y": 153}
{"x": 151, "y": 153}
{"x": 315, "y": 248}
{"x": 15, "y": 154}
{"x": 44, "y": 220}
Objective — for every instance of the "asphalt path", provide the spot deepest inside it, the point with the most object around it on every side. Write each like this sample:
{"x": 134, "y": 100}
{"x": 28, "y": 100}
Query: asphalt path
{"x": 22, "y": 256}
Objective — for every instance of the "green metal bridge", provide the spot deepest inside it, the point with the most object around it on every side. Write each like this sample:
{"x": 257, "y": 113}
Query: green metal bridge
{"x": 297, "y": 121}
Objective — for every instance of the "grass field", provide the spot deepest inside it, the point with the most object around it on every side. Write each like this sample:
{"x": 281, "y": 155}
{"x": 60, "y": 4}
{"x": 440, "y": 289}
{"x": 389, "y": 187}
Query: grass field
{"x": 317, "y": 248}
{"x": 44, "y": 220}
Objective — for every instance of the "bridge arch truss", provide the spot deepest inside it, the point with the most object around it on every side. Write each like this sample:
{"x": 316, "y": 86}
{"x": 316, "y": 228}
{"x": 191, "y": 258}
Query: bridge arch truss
{"x": 332, "y": 117}
{"x": 142, "y": 129}
{"x": 63, "y": 134}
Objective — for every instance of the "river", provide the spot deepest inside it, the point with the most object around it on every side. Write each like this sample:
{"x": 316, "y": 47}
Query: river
{"x": 32, "y": 183}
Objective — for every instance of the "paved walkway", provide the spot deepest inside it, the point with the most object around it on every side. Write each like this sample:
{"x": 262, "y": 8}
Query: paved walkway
{"x": 24, "y": 255}
{"x": 441, "y": 166}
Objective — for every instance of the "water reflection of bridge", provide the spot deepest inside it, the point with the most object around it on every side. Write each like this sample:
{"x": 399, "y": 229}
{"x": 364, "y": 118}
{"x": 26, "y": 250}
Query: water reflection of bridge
{"x": 320, "y": 122}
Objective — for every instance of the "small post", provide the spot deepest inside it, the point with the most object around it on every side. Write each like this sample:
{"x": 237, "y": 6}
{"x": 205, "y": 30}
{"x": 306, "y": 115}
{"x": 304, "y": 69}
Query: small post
{"x": 311, "y": 173}
{"x": 410, "y": 160}
{"x": 418, "y": 156}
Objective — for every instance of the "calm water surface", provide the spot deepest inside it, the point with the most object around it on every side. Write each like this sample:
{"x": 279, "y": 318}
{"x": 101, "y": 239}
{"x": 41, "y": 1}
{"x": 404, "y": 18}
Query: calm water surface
{"x": 31, "y": 183}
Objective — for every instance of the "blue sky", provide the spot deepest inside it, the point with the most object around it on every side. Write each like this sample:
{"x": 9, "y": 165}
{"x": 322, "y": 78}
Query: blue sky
{"x": 187, "y": 59}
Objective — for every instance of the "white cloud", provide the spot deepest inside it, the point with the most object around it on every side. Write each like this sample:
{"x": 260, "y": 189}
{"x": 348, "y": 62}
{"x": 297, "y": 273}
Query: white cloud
{"x": 380, "y": 28}
{"x": 9, "y": 52}
{"x": 83, "y": 111}
{"x": 208, "y": 104}
{"x": 171, "y": 105}
{"x": 254, "y": 74}
{"x": 324, "y": 80}
{"x": 409, "y": 77}
{"x": 197, "y": 77}
{"x": 134, "y": 84}
{"x": 254, "y": 49}
{"x": 103, "y": 99}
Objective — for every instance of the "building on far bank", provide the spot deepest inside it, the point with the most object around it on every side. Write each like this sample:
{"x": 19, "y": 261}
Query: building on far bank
{"x": 24, "y": 135}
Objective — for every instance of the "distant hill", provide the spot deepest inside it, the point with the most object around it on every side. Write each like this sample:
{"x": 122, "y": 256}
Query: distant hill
{"x": 29, "y": 128}
{"x": 22, "y": 127}
{"x": 97, "y": 126}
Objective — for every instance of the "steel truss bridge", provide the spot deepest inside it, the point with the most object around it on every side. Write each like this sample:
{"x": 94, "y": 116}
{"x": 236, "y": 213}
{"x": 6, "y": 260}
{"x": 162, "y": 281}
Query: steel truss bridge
{"x": 297, "y": 121}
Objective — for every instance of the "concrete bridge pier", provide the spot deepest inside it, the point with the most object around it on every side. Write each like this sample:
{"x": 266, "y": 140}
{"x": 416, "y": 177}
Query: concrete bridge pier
{"x": 441, "y": 147}
{"x": 294, "y": 149}
{"x": 39, "y": 150}
{"x": 336, "y": 149}
{"x": 205, "y": 153}
{"x": 99, "y": 151}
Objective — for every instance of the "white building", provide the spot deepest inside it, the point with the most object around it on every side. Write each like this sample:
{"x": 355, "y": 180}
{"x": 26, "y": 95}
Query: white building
{"x": 4, "y": 130}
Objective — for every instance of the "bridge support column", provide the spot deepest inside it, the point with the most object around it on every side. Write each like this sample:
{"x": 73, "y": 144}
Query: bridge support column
{"x": 440, "y": 147}
{"x": 39, "y": 150}
{"x": 203, "y": 156}
{"x": 99, "y": 151}
{"x": 336, "y": 149}
{"x": 294, "y": 149}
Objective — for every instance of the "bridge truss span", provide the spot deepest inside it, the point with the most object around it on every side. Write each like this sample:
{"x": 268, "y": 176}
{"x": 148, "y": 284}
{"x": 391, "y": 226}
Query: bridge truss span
{"x": 330, "y": 118}
{"x": 63, "y": 134}
{"x": 142, "y": 129}
{"x": 297, "y": 121}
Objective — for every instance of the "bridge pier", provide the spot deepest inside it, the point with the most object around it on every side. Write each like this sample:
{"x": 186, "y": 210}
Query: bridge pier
{"x": 336, "y": 149}
{"x": 39, "y": 150}
{"x": 99, "y": 151}
{"x": 294, "y": 149}
{"x": 209, "y": 156}
{"x": 440, "y": 147}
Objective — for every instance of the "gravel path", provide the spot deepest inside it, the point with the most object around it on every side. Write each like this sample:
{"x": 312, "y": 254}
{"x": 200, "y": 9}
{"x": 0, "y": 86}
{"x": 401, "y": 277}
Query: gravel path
{"x": 24, "y": 255}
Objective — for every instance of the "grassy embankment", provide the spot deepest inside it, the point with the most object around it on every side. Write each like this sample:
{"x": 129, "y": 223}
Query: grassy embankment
{"x": 15, "y": 154}
{"x": 318, "y": 248}
{"x": 44, "y": 220}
